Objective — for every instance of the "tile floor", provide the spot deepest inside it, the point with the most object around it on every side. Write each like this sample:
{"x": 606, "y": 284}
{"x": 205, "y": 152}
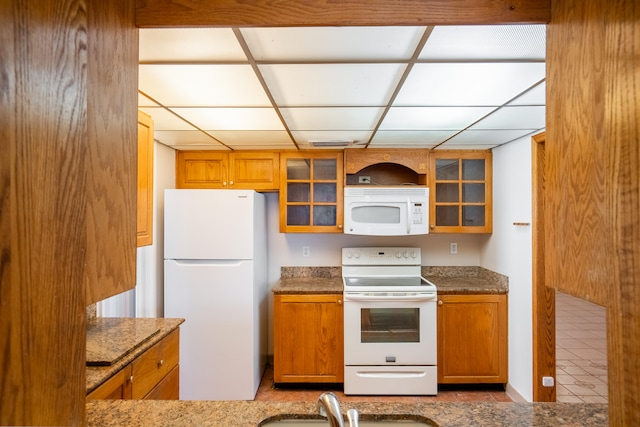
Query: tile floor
{"x": 581, "y": 351}
{"x": 310, "y": 393}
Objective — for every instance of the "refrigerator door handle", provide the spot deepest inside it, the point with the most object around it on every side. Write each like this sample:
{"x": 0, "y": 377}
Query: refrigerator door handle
{"x": 204, "y": 262}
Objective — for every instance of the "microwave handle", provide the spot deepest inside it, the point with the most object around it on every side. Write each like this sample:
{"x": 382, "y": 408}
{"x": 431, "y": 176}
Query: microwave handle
{"x": 408, "y": 216}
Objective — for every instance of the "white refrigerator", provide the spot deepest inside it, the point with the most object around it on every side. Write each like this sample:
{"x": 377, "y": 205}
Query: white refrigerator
{"x": 215, "y": 277}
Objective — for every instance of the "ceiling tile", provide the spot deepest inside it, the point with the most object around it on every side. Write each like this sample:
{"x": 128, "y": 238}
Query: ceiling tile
{"x": 164, "y": 120}
{"x": 517, "y": 117}
{"x": 202, "y": 85}
{"x": 535, "y": 96}
{"x": 267, "y": 139}
{"x": 490, "y": 42}
{"x": 332, "y": 43}
{"x": 189, "y": 45}
{"x": 340, "y": 118}
{"x": 143, "y": 101}
{"x": 358, "y": 137}
{"x": 432, "y": 118}
{"x": 412, "y": 138}
{"x": 488, "y": 138}
{"x": 468, "y": 84}
{"x": 232, "y": 118}
{"x": 185, "y": 137}
{"x": 294, "y": 85}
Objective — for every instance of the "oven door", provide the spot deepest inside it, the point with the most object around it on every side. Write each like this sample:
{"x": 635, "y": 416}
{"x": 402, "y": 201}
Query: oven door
{"x": 391, "y": 328}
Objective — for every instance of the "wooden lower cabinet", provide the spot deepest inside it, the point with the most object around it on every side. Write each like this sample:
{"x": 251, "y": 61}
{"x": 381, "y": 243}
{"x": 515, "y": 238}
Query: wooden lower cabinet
{"x": 152, "y": 375}
{"x": 308, "y": 338}
{"x": 472, "y": 339}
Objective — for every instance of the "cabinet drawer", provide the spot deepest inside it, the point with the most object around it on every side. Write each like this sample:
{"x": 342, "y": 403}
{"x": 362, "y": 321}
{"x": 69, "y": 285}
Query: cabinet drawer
{"x": 168, "y": 388}
{"x": 150, "y": 368}
{"x": 116, "y": 387}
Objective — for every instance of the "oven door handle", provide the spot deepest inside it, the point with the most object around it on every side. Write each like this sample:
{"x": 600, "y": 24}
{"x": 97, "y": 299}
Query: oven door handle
{"x": 409, "y": 216}
{"x": 408, "y": 298}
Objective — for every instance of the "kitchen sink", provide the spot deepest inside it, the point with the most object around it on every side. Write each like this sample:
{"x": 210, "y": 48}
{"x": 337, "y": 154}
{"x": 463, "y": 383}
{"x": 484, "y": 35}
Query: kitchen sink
{"x": 365, "y": 423}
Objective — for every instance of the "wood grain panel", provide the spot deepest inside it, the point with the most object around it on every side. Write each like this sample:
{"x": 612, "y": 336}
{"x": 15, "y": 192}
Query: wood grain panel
{"x": 112, "y": 136}
{"x": 159, "y": 13}
{"x": 144, "y": 223}
{"x": 308, "y": 338}
{"x": 593, "y": 227}
{"x": 544, "y": 298}
{"x": 42, "y": 211}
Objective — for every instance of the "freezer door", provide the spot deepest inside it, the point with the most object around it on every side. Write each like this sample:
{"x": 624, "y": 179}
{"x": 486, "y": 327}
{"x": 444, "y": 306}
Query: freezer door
{"x": 219, "y": 340}
{"x": 209, "y": 224}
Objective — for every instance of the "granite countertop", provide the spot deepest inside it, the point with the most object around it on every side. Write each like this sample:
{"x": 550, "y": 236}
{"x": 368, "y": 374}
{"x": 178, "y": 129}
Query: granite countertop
{"x": 448, "y": 280}
{"x": 307, "y": 280}
{"x": 251, "y": 413}
{"x": 106, "y": 337}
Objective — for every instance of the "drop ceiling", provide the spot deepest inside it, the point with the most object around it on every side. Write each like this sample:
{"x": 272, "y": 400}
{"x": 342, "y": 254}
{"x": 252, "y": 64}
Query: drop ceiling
{"x": 445, "y": 87}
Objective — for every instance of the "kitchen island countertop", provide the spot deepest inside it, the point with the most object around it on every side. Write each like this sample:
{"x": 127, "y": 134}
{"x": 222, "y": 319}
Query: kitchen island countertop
{"x": 255, "y": 413}
{"x": 96, "y": 375}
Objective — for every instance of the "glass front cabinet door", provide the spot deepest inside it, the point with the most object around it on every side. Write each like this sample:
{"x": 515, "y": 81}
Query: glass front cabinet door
{"x": 311, "y": 192}
{"x": 460, "y": 191}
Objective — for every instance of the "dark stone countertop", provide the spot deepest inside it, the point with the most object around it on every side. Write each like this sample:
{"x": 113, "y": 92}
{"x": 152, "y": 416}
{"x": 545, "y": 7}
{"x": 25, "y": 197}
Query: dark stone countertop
{"x": 111, "y": 332}
{"x": 255, "y": 413}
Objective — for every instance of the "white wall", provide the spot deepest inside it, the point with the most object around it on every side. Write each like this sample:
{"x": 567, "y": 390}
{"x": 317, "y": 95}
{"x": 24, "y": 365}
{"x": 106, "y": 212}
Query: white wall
{"x": 508, "y": 252}
{"x": 150, "y": 265}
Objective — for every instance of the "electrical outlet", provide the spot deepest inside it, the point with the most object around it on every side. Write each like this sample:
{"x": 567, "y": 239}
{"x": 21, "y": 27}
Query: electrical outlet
{"x": 453, "y": 248}
{"x": 547, "y": 381}
{"x": 364, "y": 180}
{"x": 306, "y": 251}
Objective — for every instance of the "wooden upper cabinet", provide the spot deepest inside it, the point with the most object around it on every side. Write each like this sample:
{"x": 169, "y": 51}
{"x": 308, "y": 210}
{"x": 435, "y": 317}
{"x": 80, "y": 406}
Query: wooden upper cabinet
{"x": 253, "y": 170}
{"x": 460, "y": 185}
{"x": 145, "y": 180}
{"x": 311, "y": 192}
{"x": 381, "y": 166}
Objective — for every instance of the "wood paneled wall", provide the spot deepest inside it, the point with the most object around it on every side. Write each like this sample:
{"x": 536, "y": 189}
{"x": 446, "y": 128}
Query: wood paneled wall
{"x": 67, "y": 192}
{"x": 43, "y": 190}
{"x": 593, "y": 176}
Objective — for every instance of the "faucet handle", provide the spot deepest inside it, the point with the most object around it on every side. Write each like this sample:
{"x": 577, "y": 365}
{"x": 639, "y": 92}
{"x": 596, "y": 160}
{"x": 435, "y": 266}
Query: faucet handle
{"x": 352, "y": 417}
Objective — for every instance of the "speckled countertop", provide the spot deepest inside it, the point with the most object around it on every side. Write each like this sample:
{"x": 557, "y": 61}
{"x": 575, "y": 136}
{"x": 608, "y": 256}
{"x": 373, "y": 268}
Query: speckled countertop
{"x": 448, "y": 280}
{"x": 251, "y": 413}
{"x": 105, "y": 338}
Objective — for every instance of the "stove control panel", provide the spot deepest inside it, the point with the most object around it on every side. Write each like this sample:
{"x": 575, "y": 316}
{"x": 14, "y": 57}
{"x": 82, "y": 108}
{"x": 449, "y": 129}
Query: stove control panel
{"x": 381, "y": 256}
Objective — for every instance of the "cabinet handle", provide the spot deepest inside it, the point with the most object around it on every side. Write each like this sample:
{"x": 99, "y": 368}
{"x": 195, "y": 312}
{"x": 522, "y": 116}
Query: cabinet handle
{"x": 160, "y": 363}
{"x": 230, "y": 182}
{"x": 340, "y": 226}
{"x": 224, "y": 183}
{"x": 432, "y": 226}
{"x": 131, "y": 379}
{"x": 339, "y": 302}
{"x": 440, "y": 302}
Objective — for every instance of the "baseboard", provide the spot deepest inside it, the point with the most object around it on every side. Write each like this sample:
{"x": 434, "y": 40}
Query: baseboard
{"x": 514, "y": 395}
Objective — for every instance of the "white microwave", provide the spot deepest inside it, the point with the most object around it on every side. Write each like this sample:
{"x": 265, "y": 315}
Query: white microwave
{"x": 386, "y": 211}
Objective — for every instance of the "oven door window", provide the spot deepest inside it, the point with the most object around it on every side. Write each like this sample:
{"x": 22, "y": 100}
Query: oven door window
{"x": 372, "y": 214}
{"x": 389, "y": 325}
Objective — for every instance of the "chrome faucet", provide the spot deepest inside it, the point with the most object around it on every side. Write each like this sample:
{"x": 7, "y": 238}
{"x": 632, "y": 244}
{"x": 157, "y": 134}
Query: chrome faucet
{"x": 329, "y": 407}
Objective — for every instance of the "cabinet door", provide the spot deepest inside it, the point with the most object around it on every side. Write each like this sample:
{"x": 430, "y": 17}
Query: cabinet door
{"x": 311, "y": 188}
{"x": 145, "y": 180}
{"x": 308, "y": 338}
{"x": 201, "y": 169}
{"x": 460, "y": 184}
{"x": 116, "y": 387}
{"x": 254, "y": 170}
{"x": 472, "y": 339}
